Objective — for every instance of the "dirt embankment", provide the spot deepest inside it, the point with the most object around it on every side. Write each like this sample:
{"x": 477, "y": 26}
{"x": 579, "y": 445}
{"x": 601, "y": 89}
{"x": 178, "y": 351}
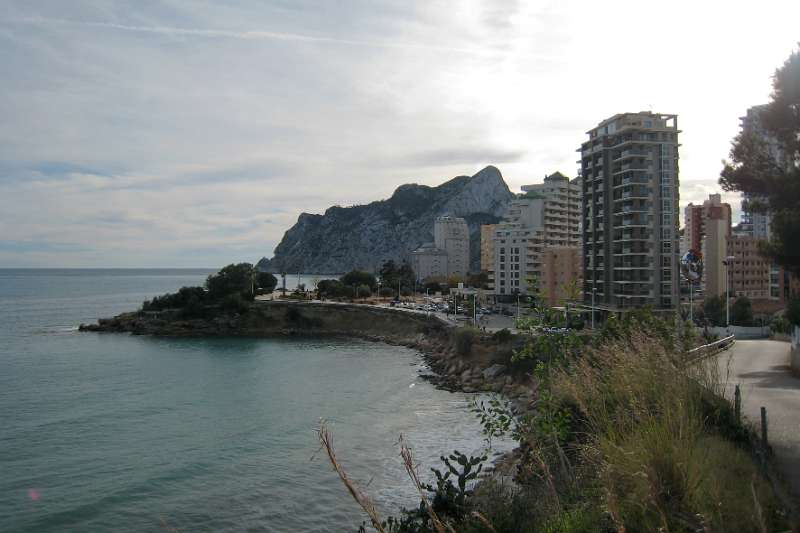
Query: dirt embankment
{"x": 461, "y": 360}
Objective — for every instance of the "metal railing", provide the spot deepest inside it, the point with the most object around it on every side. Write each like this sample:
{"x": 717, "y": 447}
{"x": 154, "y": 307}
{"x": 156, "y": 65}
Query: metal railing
{"x": 711, "y": 347}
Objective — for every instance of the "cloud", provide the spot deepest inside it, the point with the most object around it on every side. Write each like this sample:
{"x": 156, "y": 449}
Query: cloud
{"x": 461, "y": 156}
{"x": 191, "y": 134}
{"x": 254, "y": 35}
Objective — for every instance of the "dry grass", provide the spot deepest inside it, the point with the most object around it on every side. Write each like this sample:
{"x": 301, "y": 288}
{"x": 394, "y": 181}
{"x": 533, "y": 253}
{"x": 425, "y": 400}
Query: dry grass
{"x": 658, "y": 459}
{"x": 364, "y": 501}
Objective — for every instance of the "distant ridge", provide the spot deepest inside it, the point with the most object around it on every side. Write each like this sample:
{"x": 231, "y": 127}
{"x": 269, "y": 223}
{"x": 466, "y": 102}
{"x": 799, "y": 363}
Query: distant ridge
{"x": 364, "y": 236}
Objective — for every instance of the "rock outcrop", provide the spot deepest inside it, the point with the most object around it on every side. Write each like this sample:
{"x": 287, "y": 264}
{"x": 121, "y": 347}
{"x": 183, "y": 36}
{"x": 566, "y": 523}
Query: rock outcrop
{"x": 365, "y": 236}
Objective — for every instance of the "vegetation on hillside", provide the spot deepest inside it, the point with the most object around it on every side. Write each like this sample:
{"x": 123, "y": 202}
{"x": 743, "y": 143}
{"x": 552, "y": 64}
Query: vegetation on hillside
{"x": 230, "y": 288}
{"x": 625, "y": 435}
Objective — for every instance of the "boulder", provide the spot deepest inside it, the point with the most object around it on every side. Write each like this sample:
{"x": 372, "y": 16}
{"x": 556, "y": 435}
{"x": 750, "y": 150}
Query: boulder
{"x": 493, "y": 371}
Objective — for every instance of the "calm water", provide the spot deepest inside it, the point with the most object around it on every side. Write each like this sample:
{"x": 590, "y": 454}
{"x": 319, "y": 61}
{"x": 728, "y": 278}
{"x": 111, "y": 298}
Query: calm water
{"x": 115, "y": 432}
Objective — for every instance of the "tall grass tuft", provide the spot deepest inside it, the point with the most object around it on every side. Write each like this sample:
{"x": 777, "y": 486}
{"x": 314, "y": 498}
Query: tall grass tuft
{"x": 656, "y": 441}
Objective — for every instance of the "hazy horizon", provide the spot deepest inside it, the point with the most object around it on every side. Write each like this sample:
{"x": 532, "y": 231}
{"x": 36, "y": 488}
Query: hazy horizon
{"x": 183, "y": 134}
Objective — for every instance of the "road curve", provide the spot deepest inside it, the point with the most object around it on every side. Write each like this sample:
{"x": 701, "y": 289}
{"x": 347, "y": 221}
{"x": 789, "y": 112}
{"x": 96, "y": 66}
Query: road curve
{"x": 761, "y": 368}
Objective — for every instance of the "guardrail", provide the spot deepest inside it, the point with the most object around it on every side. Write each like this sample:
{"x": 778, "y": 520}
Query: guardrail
{"x": 711, "y": 347}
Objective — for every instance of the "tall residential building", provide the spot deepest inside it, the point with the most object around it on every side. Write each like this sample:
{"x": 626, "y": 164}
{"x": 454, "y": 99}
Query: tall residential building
{"x": 487, "y": 252}
{"x": 629, "y": 171}
{"x": 713, "y": 246}
{"x": 707, "y": 228}
{"x": 451, "y": 234}
{"x": 545, "y": 216}
{"x": 696, "y": 217}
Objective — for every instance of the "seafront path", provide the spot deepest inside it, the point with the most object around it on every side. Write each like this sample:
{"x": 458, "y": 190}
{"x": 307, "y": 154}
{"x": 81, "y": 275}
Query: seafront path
{"x": 761, "y": 368}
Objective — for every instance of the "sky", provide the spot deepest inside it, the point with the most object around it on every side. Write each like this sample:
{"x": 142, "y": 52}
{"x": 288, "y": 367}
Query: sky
{"x": 181, "y": 133}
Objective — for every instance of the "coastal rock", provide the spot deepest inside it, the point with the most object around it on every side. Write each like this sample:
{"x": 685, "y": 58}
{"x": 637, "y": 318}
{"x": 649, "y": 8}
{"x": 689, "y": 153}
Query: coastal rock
{"x": 493, "y": 371}
{"x": 364, "y": 236}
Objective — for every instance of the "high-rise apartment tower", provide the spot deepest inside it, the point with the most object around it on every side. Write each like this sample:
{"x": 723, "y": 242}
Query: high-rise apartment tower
{"x": 629, "y": 170}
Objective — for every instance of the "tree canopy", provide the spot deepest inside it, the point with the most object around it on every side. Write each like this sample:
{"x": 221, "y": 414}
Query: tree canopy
{"x": 358, "y": 278}
{"x": 232, "y": 279}
{"x": 714, "y": 310}
{"x": 742, "y": 312}
{"x": 393, "y": 275}
{"x": 765, "y": 162}
{"x": 266, "y": 281}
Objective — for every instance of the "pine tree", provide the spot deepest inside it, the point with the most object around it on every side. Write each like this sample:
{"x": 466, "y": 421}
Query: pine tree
{"x": 772, "y": 175}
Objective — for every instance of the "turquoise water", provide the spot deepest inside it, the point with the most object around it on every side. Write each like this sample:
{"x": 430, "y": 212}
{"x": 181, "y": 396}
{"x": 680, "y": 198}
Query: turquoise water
{"x": 123, "y": 433}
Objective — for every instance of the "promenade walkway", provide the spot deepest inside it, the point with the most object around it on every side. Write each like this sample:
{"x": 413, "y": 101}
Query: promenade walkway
{"x": 761, "y": 368}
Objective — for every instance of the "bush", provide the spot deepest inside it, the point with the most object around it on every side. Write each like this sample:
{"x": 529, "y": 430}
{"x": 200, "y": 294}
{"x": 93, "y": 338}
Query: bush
{"x": 266, "y": 282}
{"x": 742, "y": 312}
{"x": 332, "y": 288}
{"x": 793, "y": 311}
{"x": 465, "y": 338}
{"x": 502, "y": 336}
{"x": 781, "y": 326}
{"x": 714, "y": 310}
{"x": 232, "y": 279}
{"x": 359, "y": 278}
{"x": 177, "y": 300}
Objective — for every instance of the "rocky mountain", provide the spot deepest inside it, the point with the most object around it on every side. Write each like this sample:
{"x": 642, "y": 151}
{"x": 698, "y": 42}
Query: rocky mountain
{"x": 364, "y": 236}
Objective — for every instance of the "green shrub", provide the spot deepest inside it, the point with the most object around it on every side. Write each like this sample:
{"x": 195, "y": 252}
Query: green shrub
{"x": 781, "y": 325}
{"x": 359, "y": 278}
{"x": 177, "y": 300}
{"x": 232, "y": 279}
{"x": 266, "y": 282}
{"x": 464, "y": 339}
{"x": 502, "y": 336}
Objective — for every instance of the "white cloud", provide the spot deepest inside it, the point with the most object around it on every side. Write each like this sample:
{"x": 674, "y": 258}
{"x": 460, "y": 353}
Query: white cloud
{"x": 193, "y": 133}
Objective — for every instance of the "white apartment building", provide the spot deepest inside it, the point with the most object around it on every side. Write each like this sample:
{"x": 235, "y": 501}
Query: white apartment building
{"x": 546, "y": 215}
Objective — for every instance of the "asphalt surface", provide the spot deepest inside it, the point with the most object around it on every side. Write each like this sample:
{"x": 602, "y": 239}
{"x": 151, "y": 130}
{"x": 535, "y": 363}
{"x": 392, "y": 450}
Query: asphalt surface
{"x": 761, "y": 368}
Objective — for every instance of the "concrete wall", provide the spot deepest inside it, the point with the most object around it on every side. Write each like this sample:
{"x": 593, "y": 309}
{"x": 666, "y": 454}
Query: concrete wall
{"x": 742, "y": 332}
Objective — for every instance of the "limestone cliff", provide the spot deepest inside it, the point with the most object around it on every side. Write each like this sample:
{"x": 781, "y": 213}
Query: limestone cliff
{"x": 365, "y": 236}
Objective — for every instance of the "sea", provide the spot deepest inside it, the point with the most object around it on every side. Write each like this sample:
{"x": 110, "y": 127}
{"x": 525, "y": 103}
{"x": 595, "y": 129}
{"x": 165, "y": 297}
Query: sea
{"x": 114, "y": 432}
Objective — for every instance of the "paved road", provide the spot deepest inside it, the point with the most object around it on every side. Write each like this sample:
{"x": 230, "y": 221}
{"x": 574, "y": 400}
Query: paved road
{"x": 761, "y": 367}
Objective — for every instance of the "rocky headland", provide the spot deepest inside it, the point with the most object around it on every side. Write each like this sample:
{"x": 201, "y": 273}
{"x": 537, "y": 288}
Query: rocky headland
{"x": 364, "y": 236}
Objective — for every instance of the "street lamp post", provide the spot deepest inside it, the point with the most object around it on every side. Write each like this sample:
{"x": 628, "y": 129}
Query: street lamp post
{"x": 594, "y": 291}
{"x": 727, "y": 263}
